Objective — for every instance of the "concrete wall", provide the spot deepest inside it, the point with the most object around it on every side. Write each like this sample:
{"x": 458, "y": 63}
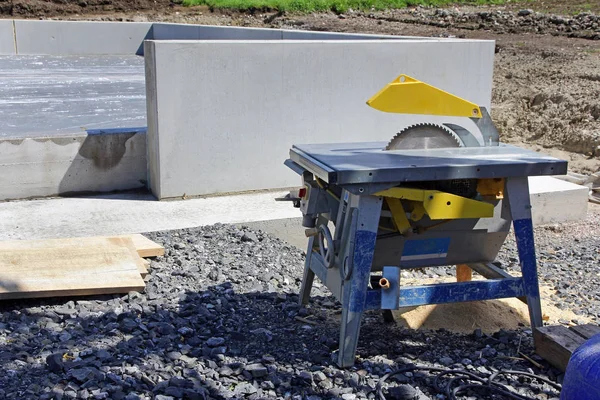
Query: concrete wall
{"x": 91, "y": 37}
{"x": 7, "y": 39}
{"x": 99, "y": 161}
{"x": 164, "y": 31}
{"x": 222, "y": 115}
{"x": 75, "y": 37}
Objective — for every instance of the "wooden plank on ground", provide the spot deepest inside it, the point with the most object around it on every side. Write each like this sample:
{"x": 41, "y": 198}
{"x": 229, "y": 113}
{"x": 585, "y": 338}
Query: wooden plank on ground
{"x": 586, "y": 331}
{"x": 138, "y": 260}
{"x": 68, "y": 267}
{"x": 146, "y": 247}
{"x": 556, "y": 343}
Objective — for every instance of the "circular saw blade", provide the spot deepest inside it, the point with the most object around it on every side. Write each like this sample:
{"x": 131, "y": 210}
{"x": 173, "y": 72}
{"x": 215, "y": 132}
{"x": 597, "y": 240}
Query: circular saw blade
{"x": 424, "y": 136}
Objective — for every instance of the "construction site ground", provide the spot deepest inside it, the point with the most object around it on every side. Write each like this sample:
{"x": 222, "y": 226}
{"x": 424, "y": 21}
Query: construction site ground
{"x": 220, "y": 317}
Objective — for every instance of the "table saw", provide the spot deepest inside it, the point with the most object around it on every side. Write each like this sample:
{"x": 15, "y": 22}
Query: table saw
{"x": 434, "y": 195}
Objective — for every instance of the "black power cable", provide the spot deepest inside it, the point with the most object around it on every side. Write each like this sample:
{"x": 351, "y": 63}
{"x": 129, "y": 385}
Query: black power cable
{"x": 487, "y": 384}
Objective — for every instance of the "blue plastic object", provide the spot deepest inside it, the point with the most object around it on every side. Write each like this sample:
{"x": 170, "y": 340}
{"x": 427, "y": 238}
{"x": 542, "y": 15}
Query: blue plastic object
{"x": 582, "y": 377}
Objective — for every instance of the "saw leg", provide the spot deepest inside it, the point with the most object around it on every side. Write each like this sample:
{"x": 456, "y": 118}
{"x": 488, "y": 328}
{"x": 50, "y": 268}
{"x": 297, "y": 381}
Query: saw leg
{"x": 309, "y": 274}
{"x": 354, "y": 288}
{"x": 520, "y": 209}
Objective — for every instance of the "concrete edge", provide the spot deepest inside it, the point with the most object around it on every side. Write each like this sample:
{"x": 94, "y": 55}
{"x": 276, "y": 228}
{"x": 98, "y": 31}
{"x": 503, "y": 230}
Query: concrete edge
{"x": 28, "y": 37}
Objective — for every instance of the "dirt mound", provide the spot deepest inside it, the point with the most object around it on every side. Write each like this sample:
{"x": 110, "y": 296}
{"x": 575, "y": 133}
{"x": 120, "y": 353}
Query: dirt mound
{"x": 49, "y": 8}
{"x": 582, "y": 25}
{"x": 540, "y": 102}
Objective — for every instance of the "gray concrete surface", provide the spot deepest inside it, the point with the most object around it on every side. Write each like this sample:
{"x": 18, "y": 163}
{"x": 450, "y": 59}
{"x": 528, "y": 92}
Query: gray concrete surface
{"x": 96, "y": 37}
{"x": 166, "y": 31}
{"x": 80, "y": 37}
{"x": 222, "y": 115}
{"x": 122, "y": 214}
{"x": 7, "y": 39}
{"x": 89, "y": 162}
{"x": 163, "y": 31}
{"x": 556, "y": 201}
{"x": 49, "y": 95}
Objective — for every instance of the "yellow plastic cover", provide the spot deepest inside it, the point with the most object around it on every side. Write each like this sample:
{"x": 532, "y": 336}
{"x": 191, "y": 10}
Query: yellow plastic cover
{"x": 407, "y": 95}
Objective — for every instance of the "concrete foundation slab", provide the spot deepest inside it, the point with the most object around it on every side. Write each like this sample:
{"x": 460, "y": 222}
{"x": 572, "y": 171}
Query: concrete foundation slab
{"x": 122, "y": 214}
{"x": 48, "y": 95}
{"x": 7, "y": 39}
{"x": 222, "y": 115}
{"x": 80, "y": 37}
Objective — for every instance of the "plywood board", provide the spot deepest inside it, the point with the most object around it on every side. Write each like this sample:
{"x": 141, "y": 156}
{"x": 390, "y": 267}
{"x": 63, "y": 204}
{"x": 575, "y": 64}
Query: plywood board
{"x": 144, "y": 246}
{"x": 68, "y": 267}
{"x": 138, "y": 260}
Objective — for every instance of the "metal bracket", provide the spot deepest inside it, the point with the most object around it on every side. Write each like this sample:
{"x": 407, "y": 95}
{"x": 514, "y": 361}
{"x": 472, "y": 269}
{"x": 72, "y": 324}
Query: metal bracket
{"x": 490, "y": 134}
{"x": 348, "y": 263}
{"x": 390, "y": 289}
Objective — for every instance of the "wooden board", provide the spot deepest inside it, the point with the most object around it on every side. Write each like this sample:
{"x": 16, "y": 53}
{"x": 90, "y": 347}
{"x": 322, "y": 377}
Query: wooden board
{"x": 141, "y": 265}
{"x": 68, "y": 267}
{"x": 557, "y": 343}
{"x": 144, "y": 246}
{"x": 586, "y": 331}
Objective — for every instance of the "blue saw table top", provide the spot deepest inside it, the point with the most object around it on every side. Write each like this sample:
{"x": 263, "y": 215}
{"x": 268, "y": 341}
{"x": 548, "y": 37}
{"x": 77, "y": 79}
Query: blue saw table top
{"x": 368, "y": 162}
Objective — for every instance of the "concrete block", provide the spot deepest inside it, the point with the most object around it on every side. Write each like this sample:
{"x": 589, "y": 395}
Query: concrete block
{"x": 81, "y": 37}
{"x": 7, "y": 38}
{"x": 556, "y": 201}
{"x": 223, "y": 115}
{"x": 100, "y": 161}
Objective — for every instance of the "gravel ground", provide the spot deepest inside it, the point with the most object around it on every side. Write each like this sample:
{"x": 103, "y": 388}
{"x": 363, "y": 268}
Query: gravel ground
{"x": 219, "y": 319}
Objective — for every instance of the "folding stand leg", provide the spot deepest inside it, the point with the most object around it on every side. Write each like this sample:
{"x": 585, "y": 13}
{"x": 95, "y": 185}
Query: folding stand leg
{"x": 309, "y": 275}
{"x": 520, "y": 209}
{"x": 360, "y": 258}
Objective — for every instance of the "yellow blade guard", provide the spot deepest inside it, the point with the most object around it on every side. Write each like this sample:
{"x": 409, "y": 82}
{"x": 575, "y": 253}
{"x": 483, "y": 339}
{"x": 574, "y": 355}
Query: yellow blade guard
{"x": 407, "y": 95}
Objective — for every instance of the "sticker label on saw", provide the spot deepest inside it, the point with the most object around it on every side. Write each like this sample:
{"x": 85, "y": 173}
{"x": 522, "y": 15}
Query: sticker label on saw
{"x": 426, "y": 250}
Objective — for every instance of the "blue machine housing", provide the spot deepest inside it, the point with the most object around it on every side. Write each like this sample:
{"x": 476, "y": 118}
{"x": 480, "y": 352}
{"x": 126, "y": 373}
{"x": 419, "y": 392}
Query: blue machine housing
{"x": 582, "y": 378}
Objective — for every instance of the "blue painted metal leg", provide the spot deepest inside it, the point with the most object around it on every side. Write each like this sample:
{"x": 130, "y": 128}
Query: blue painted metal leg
{"x": 309, "y": 275}
{"x": 354, "y": 290}
{"x": 520, "y": 208}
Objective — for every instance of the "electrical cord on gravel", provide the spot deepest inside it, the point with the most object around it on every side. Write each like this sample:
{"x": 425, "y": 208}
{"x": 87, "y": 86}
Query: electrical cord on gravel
{"x": 451, "y": 390}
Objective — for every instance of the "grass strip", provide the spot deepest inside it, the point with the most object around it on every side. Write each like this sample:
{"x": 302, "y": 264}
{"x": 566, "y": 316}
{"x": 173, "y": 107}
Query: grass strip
{"x": 338, "y": 6}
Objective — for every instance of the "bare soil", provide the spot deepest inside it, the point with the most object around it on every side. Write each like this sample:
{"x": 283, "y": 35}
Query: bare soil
{"x": 546, "y": 93}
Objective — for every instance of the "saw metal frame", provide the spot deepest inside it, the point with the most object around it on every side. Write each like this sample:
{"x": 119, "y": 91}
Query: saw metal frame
{"x": 350, "y": 176}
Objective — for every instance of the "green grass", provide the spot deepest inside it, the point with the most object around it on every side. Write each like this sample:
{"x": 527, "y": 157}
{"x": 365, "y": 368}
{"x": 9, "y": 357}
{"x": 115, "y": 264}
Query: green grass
{"x": 339, "y": 6}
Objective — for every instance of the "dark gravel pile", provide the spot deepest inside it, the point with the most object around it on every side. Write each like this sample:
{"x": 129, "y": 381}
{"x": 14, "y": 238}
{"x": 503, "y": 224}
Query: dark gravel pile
{"x": 583, "y": 25}
{"x": 220, "y": 320}
{"x": 569, "y": 261}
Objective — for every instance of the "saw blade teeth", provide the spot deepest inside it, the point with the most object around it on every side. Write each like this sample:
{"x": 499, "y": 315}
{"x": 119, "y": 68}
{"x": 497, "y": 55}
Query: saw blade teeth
{"x": 449, "y": 136}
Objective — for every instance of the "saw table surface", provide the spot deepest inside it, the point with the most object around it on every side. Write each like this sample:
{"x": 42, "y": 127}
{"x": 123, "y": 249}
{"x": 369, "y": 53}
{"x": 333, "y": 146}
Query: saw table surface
{"x": 368, "y": 162}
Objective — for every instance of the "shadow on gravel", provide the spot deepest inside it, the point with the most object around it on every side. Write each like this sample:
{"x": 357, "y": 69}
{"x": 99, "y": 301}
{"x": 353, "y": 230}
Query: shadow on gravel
{"x": 214, "y": 344}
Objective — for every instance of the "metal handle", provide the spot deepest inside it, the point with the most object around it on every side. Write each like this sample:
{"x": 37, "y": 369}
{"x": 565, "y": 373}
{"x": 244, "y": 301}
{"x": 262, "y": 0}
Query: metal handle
{"x": 326, "y": 253}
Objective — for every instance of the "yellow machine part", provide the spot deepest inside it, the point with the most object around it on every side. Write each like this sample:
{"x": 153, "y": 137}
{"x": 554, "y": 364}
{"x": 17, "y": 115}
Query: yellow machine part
{"x": 491, "y": 187}
{"x": 418, "y": 211}
{"x": 441, "y": 205}
{"x": 407, "y": 95}
{"x": 398, "y": 215}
